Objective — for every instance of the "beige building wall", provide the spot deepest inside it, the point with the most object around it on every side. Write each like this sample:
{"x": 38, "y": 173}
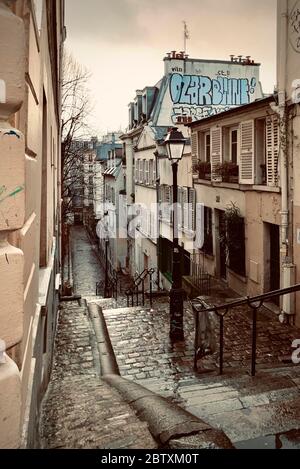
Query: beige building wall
{"x": 28, "y": 292}
{"x": 288, "y": 86}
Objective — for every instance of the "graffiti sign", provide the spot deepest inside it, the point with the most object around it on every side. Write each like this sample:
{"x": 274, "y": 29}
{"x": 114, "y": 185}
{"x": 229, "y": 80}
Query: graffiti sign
{"x": 294, "y": 27}
{"x": 201, "y": 96}
{"x": 203, "y": 91}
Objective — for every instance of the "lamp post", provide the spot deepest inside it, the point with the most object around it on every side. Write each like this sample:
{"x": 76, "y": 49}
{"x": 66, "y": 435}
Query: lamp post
{"x": 175, "y": 143}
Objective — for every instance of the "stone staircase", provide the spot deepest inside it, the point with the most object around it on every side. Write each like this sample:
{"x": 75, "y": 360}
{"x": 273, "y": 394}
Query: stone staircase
{"x": 262, "y": 411}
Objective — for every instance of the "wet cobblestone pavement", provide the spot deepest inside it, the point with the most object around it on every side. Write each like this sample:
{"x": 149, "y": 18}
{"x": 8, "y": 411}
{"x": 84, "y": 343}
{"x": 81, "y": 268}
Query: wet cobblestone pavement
{"x": 143, "y": 349}
{"x": 245, "y": 408}
{"x": 79, "y": 409}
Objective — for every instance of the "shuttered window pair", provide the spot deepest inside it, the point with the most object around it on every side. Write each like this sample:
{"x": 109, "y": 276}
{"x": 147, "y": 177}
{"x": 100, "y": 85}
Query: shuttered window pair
{"x": 246, "y": 151}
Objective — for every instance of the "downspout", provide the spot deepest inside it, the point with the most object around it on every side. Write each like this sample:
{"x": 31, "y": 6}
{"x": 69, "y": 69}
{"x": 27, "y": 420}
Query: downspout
{"x": 283, "y": 157}
{"x": 287, "y": 308}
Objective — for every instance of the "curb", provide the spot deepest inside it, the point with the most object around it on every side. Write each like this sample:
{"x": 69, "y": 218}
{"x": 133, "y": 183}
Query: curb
{"x": 168, "y": 423}
{"x": 108, "y": 362}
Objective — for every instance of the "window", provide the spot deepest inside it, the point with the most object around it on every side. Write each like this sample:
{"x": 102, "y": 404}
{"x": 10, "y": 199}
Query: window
{"x": 137, "y": 167}
{"x": 146, "y": 166}
{"x": 154, "y": 172}
{"x": 166, "y": 201}
{"x": 187, "y": 200}
{"x": 260, "y": 151}
{"x": 207, "y": 147}
{"x": 141, "y": 172}
{"x": 151, "y": 181}
{"x": 233, "y": 145}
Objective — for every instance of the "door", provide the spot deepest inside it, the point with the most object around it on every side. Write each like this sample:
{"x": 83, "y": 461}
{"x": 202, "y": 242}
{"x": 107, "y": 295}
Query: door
{"x": 274, "y": 260}
{"x": 222, "y": 238}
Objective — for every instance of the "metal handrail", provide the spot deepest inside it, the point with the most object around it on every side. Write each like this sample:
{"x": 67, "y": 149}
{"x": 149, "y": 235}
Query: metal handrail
{"x": 134, "y": 290}
{"x": 254, "y": 302}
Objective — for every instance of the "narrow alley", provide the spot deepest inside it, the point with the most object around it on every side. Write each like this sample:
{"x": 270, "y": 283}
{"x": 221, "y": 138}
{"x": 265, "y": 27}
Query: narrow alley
{"x": 79, "y": 409}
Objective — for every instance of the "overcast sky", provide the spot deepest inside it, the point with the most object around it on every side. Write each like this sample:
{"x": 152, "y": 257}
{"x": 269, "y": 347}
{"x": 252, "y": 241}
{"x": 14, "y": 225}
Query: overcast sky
{"x": 123, "y": 43}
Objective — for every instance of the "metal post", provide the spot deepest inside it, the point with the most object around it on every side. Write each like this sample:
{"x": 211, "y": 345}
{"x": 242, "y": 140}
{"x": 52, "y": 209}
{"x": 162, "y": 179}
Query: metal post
{"x": 196, "y": 339}
{"x": 106, "y": 270}
{"x": 151, "y": 290}
{"x": 143, "y": 291}
{"x": 221, "y": 342}
{"x": 176, "y": 293}
{"x": 254, "y": 336}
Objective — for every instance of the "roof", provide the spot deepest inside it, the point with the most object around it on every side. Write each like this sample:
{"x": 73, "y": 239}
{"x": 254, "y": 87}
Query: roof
{"x": 237, "y": 110}
{"x": 113, "y": 172}
{"x": 159, "y": 132}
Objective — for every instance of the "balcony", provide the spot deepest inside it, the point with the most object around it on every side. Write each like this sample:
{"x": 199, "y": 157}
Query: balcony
{"x": 228, "y": 172}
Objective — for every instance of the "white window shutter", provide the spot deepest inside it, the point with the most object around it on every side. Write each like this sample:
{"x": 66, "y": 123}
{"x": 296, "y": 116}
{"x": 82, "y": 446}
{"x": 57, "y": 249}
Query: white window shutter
{"x": 137, "y": 170}
{"x": 192, "y": 203}
{"x": 185, "y": 202}
{"x": 151, "y": 172}
{"x": 147, "y": 171}
{"x": 246, "y": 147}
{"x": 154, "y": 172}
{"x": 216, "y": 151}
{"x": 194, "y": 147}
{"x": 272, "y": 151}
{"x": 179, "y": 206}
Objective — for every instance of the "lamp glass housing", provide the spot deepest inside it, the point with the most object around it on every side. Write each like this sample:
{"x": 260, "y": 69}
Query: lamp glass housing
{"x": 175, "y": 143}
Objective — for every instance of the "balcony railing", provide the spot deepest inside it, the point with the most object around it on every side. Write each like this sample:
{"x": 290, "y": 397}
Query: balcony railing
{"x": 254, "y": 303}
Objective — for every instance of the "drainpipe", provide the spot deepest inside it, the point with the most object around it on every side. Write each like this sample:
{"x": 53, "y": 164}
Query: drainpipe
{"x": 283, "y": 157}
{"x": 286, "y": 263}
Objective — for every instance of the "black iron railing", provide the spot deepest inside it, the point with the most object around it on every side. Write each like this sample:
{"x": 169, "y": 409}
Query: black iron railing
{"x": 111, "y": 289}
{"x": 199, "y": 277}
{"x": 138, "y": 290}
{"x": 254, "y": 303}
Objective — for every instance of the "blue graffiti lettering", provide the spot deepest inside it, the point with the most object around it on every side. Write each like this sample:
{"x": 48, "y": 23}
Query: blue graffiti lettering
{"x": 204, "y": 91}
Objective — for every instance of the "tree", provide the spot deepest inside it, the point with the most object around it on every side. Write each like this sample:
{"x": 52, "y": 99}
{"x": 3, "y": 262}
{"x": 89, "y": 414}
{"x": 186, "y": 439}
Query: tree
{"x": 76, "y": 108}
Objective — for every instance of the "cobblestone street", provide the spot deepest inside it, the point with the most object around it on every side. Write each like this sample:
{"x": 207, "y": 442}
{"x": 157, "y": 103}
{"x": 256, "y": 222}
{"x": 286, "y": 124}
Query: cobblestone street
{"x": 79, "y": 409}
{"x": 140, "y": 338}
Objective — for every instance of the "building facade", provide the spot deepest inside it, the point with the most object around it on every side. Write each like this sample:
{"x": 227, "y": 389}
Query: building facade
{"x": 31, "y": 39}
{"x": 236, "y": 175}
{"x": 190, "y": 89}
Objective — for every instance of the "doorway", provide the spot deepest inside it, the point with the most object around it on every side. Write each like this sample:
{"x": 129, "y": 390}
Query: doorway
{"x": 222, "y": 245}
{"x": 274, "y": 260}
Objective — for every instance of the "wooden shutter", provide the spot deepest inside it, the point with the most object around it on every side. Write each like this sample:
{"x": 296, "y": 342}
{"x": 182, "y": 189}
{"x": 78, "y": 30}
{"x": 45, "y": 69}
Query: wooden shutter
{"x": 137, "y": 170}
{"x": 192, "y": 203}
{"x": 146, "y": 171}
{"x": 246, "y": 160}
{"x": 216, "y": 151}
{"x": 154, "y": 172}
{"x": 179, "y": 211}
{"x": 151, "y": 172}
{"x": 194, "y": 147}
{"x": 185, "y": 202}
{"x": 272, "y": 151}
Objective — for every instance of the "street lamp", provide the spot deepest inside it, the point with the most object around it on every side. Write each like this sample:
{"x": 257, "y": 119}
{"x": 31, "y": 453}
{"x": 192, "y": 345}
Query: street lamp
{"x": 175, "y": 143}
